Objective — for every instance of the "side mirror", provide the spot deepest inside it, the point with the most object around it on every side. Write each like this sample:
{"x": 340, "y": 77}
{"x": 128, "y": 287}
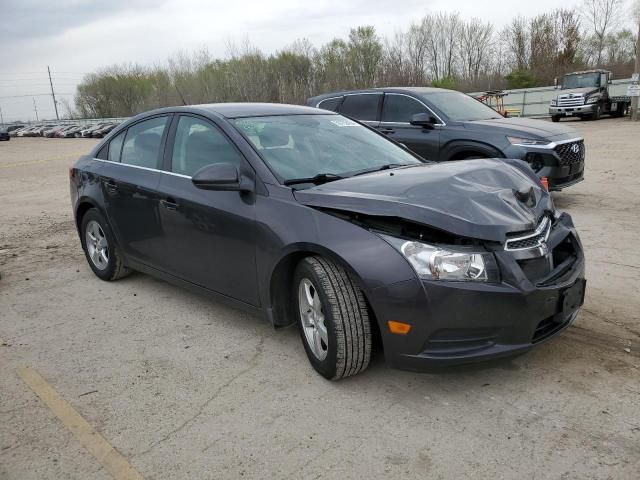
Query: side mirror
{"x": 221, "y": 177}
{"x": 555, "y": 83}
{"x": 423, "y": 120}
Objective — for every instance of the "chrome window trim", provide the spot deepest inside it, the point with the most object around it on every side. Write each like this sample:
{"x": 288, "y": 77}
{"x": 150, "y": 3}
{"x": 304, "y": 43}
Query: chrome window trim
{"x": 143, "y": 168}
{"x": 549, "y": 146}
{"x": 441, "y": 124}
{"x": 326, "y": 99}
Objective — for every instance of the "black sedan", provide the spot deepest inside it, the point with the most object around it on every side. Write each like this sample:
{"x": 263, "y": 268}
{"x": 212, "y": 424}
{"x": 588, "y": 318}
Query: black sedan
{"x": 305, "y": 216}
{"x": 443, "y": 125}
{"x": 4, "y": 135}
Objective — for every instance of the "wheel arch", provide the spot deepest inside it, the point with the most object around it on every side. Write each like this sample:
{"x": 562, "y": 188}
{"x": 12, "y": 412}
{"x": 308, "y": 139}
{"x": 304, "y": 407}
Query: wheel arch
{"x": 458, "y": 150}
{"x": 83, "y": 205}
{"x": 281, "y": 278}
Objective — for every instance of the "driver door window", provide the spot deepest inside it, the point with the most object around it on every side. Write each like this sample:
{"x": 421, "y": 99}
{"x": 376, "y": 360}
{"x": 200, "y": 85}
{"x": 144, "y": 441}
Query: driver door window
{"x": 400, "y": 108}
{"x": 197, "y": 144}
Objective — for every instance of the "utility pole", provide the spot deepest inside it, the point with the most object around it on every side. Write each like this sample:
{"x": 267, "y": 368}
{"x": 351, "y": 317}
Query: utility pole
{"x": 53, "y": 95}
{"x": 1, "y": 117}
{"x": 634, "y": 100}
{"x": 35, "y": 108}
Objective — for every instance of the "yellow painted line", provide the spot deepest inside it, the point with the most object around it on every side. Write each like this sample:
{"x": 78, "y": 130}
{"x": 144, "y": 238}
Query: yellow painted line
{"x": 112, "y": 460}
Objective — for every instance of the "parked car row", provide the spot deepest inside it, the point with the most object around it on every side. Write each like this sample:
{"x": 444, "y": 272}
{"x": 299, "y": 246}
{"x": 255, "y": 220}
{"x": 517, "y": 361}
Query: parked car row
{"x": 96, "y": 130}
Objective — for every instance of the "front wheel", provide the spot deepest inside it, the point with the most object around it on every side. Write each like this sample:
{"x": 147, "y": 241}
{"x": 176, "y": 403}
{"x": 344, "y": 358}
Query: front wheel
{"x": 555, "y": 118}
{"x": 596, "y": 113}
{"x": 332, "y": 318}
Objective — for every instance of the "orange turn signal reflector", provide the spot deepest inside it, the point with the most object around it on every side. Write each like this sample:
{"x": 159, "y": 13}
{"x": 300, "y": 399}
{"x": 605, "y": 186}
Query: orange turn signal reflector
{"x": 398, "y": 328}
{"x": 545, "y": 183}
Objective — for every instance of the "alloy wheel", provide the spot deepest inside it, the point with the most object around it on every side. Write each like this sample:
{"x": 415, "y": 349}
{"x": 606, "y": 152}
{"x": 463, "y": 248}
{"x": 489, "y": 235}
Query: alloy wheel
{"x": 97, "y": 245}
{"x": 312, "y": 318}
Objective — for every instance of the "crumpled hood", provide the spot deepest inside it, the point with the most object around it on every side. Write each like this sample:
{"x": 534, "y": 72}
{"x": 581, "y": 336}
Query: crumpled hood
{"x": 471, "y": 198}
{"x": 521, "y": 127}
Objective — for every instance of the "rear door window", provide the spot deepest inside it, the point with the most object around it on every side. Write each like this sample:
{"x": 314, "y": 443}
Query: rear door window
{"x": 361, "y": 106}
{"x": 142, "y": 143}
{"x": 400, "y": 108}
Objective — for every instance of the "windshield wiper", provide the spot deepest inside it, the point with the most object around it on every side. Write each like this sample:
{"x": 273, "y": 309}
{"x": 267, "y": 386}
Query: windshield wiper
{"x": 316, "y": 179}
{"x": 389, "y": 166}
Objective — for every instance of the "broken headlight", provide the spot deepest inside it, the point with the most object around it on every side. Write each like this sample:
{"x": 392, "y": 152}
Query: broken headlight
{"x": 450, "y": 263}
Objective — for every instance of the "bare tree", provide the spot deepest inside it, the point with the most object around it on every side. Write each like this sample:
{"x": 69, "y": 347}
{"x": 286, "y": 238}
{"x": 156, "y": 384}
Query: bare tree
{"x": 602, "y": 16}
{"x": 476, "y": 40}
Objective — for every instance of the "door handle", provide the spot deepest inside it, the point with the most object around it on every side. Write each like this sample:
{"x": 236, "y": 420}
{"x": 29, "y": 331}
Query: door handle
{"x": 112, "y": 186}
{"x": 169, "y": 204}
{"x": 387, "y": 130}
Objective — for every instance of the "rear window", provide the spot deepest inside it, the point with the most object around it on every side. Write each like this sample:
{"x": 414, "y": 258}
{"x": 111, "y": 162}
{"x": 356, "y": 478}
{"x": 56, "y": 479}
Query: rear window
{"x": 361, "y": 106}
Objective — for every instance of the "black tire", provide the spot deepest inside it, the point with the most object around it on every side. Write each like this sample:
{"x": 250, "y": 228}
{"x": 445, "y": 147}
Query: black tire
{"x": 346, "y": 318}
{"x": 596, "y": 114}
{"x": 115, "y": 267}
{"x": 555, "y": 118}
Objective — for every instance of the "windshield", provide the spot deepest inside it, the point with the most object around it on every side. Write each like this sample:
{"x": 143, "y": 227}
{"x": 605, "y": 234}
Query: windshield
{"x": 460, "y": 107}
{"x": 581, "y": 80}
{"x": 304, "y": 146}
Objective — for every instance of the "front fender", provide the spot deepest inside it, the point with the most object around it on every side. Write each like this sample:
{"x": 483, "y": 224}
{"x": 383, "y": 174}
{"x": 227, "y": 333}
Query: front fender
{"x": 372, "y": 261}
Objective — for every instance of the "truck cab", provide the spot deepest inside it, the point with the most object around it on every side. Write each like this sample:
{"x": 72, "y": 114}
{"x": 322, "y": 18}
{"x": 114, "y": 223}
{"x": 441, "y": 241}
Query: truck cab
{"x": 586, "y": 95}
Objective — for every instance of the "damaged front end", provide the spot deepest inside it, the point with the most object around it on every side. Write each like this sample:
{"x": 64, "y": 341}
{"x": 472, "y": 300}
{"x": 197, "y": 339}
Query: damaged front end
{"x": 482, "y": 299}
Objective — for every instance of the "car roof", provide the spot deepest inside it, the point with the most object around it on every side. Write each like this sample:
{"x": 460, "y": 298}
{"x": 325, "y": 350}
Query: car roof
{"x": 237, "y": 110}
{"x": 410, "y": 90}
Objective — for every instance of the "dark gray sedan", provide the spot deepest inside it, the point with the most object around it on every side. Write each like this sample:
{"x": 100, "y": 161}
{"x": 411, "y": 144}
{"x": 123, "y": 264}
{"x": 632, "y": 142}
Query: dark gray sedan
{"x": 305, "y": 216}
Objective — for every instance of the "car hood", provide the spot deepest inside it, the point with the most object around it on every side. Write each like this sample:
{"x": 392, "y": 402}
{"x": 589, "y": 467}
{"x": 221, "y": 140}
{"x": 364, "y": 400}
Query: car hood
{"x": 521, "y": 126}
{"x": 483, "y": 199}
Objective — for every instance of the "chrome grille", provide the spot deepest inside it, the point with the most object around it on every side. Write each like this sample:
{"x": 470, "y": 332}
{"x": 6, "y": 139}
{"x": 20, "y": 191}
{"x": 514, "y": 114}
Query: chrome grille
{"x": 570, "y": 101}
{"x": 571, "y": 152}
{"x": 532, "y": 240}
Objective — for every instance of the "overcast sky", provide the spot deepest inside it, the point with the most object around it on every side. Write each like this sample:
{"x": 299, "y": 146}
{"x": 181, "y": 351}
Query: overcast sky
{"x": 75, "y": 37}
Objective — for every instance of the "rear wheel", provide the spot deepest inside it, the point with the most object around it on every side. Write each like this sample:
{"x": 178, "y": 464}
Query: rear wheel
{"x": 332, "y": 318}
{"x": 100, "y": 247}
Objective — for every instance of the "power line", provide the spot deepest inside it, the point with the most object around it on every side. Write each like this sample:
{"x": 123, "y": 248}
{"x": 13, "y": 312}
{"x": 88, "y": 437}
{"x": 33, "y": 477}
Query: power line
{"x": 36, "y": 95}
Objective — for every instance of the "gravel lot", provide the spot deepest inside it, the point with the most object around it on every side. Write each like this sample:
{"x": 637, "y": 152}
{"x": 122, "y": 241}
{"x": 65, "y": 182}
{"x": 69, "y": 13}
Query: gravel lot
{"x": 185, "y": 387}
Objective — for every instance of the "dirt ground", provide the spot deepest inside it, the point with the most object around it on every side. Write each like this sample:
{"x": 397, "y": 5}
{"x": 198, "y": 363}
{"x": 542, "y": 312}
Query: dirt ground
{"x": 184, "y": 387}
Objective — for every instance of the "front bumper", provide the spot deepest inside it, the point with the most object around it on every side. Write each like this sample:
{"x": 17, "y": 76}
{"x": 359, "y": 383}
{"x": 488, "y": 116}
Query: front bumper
{"x": 557, "y": 162}
{"x": 587, "y": 109}
{"x": 463, "y": 322}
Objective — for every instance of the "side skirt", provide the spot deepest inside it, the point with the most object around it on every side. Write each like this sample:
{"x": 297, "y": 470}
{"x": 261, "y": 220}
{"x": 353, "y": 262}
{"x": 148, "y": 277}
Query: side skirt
{"x": 229, "y": 301}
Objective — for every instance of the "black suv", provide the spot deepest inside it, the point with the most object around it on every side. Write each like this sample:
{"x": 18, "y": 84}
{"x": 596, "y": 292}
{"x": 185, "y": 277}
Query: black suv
{"x": 443, "y": 125}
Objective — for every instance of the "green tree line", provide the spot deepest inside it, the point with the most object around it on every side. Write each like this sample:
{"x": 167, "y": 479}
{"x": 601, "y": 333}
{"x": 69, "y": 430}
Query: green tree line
{"x": 442, "y": 49}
